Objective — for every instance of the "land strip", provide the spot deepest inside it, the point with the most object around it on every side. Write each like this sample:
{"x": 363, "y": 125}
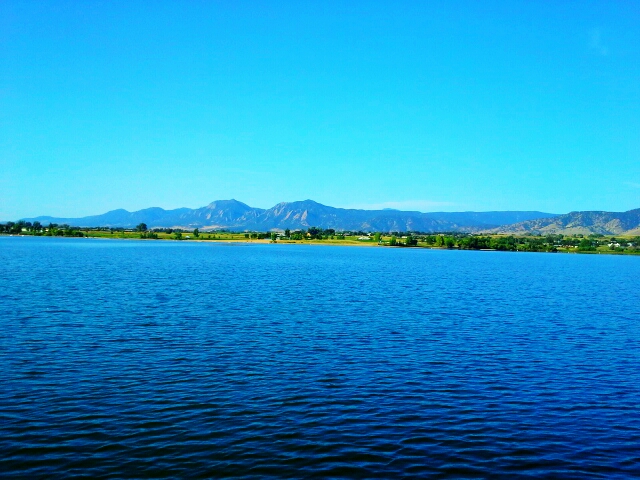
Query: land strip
{"x": 591, "y": 244}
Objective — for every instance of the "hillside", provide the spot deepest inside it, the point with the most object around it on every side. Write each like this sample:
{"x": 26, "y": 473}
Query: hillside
{"x": 605, "y": 223}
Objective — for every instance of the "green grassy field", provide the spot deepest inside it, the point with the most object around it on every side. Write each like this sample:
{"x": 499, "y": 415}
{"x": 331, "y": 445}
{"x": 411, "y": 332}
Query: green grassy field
{"x": 224, "y": 237}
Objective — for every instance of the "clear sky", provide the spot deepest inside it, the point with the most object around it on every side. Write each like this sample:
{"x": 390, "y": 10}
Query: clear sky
{"x": 432, "y": 106}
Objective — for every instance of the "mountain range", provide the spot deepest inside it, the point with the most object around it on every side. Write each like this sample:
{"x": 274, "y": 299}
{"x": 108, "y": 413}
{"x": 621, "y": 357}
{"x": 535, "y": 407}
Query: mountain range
{"x": 606, "y": 223}
{"x": 237, "y": 216}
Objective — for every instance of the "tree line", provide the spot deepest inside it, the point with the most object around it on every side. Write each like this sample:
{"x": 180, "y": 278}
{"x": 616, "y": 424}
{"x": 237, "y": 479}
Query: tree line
{"x": 535, "y": 243}
{"x": 463, "y": 241}
{"x": 36, "y": 228}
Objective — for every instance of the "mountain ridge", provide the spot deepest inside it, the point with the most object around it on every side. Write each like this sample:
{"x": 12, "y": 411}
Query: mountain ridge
{"x": 238, "y": 216}
{"x": 580, "y": 222}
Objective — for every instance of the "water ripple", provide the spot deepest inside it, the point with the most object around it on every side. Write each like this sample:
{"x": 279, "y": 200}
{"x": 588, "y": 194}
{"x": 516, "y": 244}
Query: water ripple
{"x": 168, "y": 359}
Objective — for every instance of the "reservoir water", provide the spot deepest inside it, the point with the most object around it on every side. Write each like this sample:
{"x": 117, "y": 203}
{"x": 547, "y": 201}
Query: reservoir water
{"x": 166, "y": 359}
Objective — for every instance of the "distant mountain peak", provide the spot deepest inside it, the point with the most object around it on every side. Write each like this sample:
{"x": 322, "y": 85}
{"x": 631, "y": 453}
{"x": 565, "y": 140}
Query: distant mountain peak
{"x": 307, "y": 202}
{"x": 233, "y": 201}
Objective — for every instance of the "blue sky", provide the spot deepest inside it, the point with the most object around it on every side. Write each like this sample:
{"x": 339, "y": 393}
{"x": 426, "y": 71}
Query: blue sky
{"x": 432, "y": 106}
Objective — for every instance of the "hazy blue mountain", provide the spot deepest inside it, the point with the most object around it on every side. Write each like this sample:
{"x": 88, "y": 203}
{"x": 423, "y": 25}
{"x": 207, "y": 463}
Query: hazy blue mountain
{"x": 230, "y": 214}
{"x": 238, "y": 216}
{"x": 119, "y": 218}
{"x": 606, "y": 223}
{"x": 304, "y": 214}
{"x": 488, "y": 218}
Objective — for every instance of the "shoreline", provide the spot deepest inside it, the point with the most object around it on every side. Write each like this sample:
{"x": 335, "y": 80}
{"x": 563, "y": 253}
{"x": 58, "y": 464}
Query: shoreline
{"x": 326, "y": 243}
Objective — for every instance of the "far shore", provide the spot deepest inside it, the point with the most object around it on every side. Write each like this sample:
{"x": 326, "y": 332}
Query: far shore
{"x": 234, "y": 238}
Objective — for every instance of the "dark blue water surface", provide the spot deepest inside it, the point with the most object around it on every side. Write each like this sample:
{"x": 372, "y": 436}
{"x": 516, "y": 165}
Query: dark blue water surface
{"x": 176, "y": 359}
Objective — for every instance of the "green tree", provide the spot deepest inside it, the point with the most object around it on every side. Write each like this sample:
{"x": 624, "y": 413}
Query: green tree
{"x": 177, "y": 235}
{"x": 196, "y": 233}
{"x": 376, "y": 237}
{"x": 585, "y": 245}
{"x": 315, "y": 232}
{"x": 16, "y": 228}
{"x": 142, "y": 227}
{"x": 274, "y": 236}
{"x": 393, "y": 241}
{"x": 287, "y": 233}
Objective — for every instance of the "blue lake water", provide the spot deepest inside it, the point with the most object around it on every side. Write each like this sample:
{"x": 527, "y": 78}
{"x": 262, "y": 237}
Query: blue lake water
{"x": 174, "y": 359}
